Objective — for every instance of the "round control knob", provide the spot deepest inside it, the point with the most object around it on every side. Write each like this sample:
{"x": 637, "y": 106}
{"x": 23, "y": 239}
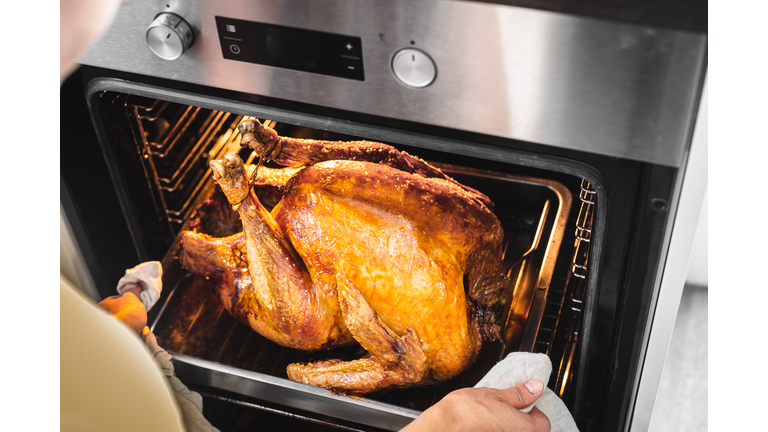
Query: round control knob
{"x": 169, "y": 36}
{"x": 414, "y": 68}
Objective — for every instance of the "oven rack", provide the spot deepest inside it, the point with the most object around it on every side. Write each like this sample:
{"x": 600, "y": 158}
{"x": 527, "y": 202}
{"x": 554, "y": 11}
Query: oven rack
{"x": 563, "y": 340}
{"x": 176, "y": 142}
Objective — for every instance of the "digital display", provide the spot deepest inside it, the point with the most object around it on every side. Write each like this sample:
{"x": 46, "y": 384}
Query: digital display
{"x": 291, "y": 48}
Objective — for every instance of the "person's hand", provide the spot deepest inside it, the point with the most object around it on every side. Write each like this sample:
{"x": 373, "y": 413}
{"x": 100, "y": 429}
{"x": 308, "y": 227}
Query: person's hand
{"x": 485, "y": 409}
{"x": 128, "y": 309}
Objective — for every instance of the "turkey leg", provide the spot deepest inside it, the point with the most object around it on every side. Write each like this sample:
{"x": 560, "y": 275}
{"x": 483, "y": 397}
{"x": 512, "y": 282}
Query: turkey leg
{"x": 393, "y": 360}
{"x": 281, "y": 289}
{"x": 224, "y": 261}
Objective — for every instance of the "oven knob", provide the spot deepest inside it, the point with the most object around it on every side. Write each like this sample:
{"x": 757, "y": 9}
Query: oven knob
{"x": 414, "y": 68}
{"x": 169, "y": 36}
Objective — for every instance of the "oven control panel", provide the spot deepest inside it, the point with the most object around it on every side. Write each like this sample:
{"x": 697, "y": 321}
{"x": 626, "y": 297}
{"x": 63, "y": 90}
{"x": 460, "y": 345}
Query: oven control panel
{"x": 521, "y": 74}
{"x": 291, "y": 48}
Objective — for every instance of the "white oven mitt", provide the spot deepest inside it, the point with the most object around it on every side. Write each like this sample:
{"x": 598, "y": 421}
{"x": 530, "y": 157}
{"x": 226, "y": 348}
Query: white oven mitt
{"x": 519, "y": 367}
{"x": 149, "y": 276}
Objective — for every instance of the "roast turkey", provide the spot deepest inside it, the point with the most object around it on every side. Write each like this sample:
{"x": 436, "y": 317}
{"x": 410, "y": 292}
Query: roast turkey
{"x": 367, "y": 245}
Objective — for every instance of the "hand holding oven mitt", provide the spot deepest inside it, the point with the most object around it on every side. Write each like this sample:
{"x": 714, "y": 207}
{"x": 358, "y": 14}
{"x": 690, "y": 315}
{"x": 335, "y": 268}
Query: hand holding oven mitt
{"x": 147, "y": 278}
{"x": 518, "y": 367}
{"x": 511, "y": 397}
{"x": 138, "y": 291}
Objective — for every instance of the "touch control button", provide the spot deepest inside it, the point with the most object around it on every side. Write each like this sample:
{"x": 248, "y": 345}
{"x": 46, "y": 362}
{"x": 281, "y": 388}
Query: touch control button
{"x": 414, "y": 68}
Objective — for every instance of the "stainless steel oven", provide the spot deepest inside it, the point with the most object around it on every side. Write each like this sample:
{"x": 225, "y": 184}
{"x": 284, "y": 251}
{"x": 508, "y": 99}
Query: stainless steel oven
{"x": 579, "y": 128}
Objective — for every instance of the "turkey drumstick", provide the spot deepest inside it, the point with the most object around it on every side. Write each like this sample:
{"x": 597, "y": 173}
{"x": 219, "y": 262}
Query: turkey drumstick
{"x": 281, "y": 291}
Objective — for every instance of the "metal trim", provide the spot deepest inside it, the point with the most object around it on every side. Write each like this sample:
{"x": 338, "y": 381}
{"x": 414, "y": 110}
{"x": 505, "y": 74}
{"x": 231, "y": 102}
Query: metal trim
{"x": 314, "y": 399}
{"x": 277, "y": 411}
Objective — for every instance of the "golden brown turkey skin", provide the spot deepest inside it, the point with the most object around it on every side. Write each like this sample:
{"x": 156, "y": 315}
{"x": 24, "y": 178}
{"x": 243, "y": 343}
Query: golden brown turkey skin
{"x": 365, "y": 251}
{"x": 224, "y": 261}
{"x": 281, "y": 305}
{"x": 404, "y": 241}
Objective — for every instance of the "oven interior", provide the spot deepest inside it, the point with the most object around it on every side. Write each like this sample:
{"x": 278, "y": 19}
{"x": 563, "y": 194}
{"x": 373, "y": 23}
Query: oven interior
{"x": 160, "y": 150}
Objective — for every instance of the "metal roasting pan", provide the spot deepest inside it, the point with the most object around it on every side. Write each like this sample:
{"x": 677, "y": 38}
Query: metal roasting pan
{"x": 213, "y": 350}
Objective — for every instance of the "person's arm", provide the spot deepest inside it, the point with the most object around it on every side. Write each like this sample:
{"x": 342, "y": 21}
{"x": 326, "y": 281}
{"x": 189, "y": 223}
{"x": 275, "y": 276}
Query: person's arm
{"x": 485, "y": 409}
{"x": 128, "y": 309}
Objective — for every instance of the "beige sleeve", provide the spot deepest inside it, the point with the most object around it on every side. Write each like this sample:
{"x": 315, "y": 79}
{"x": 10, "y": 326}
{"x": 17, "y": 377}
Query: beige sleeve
{"x": 190, "y": 403}
{"x": 108, "y": 380}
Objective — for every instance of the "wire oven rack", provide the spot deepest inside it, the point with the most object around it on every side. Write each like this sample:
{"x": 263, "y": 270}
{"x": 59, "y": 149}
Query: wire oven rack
{"x": 562, "y": 319}
{"x": 176, "y": 142}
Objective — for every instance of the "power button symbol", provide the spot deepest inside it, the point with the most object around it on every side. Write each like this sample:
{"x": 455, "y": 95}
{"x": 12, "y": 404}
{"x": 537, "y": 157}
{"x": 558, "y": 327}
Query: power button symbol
{"x": 235, "y": 49}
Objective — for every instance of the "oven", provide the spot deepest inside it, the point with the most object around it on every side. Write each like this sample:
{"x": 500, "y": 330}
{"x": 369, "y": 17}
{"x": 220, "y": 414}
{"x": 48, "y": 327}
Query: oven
{"x": 580, "y": 129}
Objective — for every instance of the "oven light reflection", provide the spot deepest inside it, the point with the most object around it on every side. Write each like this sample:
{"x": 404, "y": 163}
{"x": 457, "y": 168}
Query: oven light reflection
{"x": 565, "y": 380}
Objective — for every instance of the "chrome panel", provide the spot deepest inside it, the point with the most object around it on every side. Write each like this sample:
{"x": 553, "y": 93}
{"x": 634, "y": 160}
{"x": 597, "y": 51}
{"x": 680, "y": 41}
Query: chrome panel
{"x": 310, "y": 398}
{"x": 614, "y": 89}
